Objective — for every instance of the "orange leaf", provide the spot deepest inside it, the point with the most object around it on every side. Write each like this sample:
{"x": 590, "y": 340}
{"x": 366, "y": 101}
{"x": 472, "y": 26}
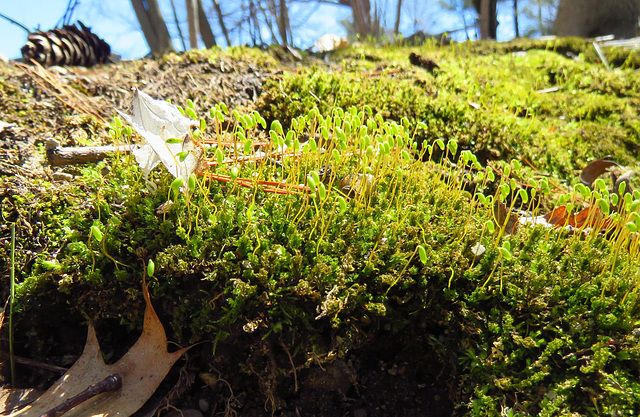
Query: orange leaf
{"x": 557, "y": 217}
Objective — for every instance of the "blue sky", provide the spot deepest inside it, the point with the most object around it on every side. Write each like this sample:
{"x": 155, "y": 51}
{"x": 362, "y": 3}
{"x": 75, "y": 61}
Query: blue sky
{"x": 114, "y": 20}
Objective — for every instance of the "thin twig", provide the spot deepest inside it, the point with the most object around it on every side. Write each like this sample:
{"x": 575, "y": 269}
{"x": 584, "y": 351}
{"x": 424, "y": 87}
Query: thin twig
{"x": 4, "y": 16}
{"x": 111, "y": 383}
{"x": 35, "y": 364}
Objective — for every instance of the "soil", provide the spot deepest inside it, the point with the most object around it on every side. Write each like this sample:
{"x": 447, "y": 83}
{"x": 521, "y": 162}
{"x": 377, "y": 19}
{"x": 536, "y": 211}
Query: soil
{"x": 390, "y": 375}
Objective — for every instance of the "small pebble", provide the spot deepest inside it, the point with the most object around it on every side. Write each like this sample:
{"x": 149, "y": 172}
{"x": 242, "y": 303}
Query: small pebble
{"x": 360, "y": 412}
{"x": 203, "y": 405}
{"x": 61, "y": 176}
{"x": 478, "y": 250}
{"x": 187, "y": 412}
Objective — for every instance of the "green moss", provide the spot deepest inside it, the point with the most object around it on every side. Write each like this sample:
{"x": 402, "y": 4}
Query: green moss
{"x": 544, "y": 323}
{"x": 514, "y": 116}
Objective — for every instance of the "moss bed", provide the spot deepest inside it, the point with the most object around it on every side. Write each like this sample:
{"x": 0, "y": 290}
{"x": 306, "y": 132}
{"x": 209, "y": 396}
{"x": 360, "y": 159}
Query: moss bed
{"x": 328, "y": 301}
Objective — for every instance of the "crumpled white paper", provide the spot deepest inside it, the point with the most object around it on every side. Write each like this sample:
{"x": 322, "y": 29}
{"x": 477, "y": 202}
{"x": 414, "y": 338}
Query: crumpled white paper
{"x": 157, "y": 121}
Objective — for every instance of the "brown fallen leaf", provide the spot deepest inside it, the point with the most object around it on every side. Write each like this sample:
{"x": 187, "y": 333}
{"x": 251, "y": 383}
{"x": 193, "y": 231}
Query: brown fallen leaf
{"x": 142, "y": 369}
{"x": 596, "y": 168}
{"x": 591, "y": 217}
{"x": 502, "y": 217}
{"x": 557, "y": 217}
{"x": 587, "y": 217}
{"x": 15, "y": 398}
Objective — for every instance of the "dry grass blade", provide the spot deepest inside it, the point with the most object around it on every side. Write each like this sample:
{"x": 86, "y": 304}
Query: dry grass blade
{"x": 142, "y": 369}
{"x": 68, "y": 96}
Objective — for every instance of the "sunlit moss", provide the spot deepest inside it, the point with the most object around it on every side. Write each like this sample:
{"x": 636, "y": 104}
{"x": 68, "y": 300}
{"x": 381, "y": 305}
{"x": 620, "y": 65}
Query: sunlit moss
{"x": 540, "y": 318}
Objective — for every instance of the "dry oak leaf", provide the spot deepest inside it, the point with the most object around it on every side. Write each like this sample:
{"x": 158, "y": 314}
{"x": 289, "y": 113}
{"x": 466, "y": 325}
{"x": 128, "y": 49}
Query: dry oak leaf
{"x": 596, "y": 168}
{"x": 142, "y": 369}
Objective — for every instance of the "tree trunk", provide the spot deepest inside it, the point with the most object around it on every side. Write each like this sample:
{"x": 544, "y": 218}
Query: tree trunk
{"x": 192, "y": 20}
{"x": 487, "y": 9}
{"x": 283, "y": 22}
{"x": 153, "y": 26}
{"x": 591, "y": 18}
{"x": 223, "y": 27}
{"x": 515, "y": 18}
{"x": 396, "y": 27}
{"x": 254, "y": 24}
{"x": 205, "y": 28}
{"x": 361, "y": 16}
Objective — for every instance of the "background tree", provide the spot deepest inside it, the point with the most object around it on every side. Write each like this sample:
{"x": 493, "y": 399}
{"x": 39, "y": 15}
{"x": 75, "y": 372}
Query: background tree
{"x": 364, "y": 24}
{"x": 153, "y": 26}
{"x": 192, "y": 23}
{"x": 282, "y": 17}
{"x": 590, "y": 18}
{"x": 223, "y": 26}
{"x": 516, "y": 27}
{"x": 396, "y": 26}
{"x": 488, "y": 12}
{"x": 204, "y": 27}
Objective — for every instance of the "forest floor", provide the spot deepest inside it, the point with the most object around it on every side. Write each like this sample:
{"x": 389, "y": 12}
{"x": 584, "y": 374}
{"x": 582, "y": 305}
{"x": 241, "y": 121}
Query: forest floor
{"x": 421, "y": 358}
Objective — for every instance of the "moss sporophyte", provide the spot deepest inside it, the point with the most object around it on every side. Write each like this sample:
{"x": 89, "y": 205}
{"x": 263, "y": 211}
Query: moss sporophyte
{"x": 267, "y": 203}
{"x": 316, "y": 225}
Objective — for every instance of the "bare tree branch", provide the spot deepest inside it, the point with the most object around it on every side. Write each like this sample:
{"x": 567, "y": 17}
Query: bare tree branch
{"x": 175, "y": 19}
{"x": 223, "y": 27}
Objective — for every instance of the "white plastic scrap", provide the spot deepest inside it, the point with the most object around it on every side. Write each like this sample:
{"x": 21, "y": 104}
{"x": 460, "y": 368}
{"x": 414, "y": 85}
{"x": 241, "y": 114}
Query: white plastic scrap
{"x": 157, "y": 121}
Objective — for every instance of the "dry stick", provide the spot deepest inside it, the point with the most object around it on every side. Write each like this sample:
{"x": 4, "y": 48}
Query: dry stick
{"x": 58, "y": 155}
{"x": 111, "y": 383}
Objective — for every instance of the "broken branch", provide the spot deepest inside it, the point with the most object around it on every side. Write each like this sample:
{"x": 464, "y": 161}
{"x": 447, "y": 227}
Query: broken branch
{"x": 58, "y": 155}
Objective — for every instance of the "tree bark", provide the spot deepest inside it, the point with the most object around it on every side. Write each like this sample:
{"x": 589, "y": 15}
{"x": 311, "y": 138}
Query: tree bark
{"x": 591, "y": 18}
{"x": 515, "y": 18}
{"x": 192, "y": 20}
{"x": 487, "y": 9}
{"x": 153, "y": 26}
{"x": 361, "y": 16}
{"x": 283, "y": 22}
{"x": 396, "y": 27}
{"x": 175, "y": 20}
{"x": 268, "y": 17}
{"x": 205, "y": 28}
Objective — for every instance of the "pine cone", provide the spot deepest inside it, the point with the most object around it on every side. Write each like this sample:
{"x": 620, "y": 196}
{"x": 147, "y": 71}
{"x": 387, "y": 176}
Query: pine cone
{"x": 67, "y": 46}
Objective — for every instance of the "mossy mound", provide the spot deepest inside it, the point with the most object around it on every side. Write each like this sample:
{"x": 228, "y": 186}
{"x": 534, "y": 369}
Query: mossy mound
{"x": 351, "y": 248}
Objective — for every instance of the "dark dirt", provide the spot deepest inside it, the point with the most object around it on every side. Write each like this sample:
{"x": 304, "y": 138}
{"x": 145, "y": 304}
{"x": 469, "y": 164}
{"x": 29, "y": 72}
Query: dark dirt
{"x": 390, "y": 375}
